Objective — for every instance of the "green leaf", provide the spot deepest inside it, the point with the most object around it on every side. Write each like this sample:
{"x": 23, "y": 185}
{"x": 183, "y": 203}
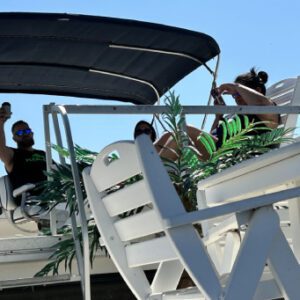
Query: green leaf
{"x": 224, "y": 130}
{"x": 246, "y": 121}
{"x": 234, "y": 126}
{"x": 238, "y": 124}
{"x": 206, "y": 144}
{"x": 210, "y": 140}
{"x": 229, "y": 127}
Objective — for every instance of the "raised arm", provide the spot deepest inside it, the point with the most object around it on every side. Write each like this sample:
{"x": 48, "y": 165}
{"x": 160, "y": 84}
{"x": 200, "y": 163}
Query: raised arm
{"x": 247, "y": 96}
{"x": 218, "y": 100}
{"x": 6, "y": 153}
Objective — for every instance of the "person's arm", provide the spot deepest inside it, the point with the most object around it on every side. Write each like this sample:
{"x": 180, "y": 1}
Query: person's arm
{"x": 6, "y": 153}
{"x": 246, "y": 96}
{"x": 218, "y": 100}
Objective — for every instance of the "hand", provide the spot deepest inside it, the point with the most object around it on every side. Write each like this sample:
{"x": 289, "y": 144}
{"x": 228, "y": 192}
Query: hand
{"x": 218, "y": 99}
{"x": 3, "y": 116}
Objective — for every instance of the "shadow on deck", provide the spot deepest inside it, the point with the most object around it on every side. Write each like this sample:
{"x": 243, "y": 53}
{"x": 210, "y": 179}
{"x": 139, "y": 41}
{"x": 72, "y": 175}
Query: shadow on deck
{"x": 104, "y": 287}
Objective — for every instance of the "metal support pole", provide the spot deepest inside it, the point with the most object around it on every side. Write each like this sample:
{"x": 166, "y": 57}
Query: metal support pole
{"x": 85, "y": 273}
{"x": 53, "y": 227}
{"x": 215, "y": 74}
{"x": 75, "y": 232}
{"x": 58, "y": 136}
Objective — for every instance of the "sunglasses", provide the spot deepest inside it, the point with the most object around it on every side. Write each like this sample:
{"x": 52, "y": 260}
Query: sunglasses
{"x": 146, "y": 130}
{"x": 23, "y": 132}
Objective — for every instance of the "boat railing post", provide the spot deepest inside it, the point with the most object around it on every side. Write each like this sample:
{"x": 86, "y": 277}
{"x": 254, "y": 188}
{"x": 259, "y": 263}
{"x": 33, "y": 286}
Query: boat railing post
{"x": 53, "y": 227}
{"x": 58, "y": 136}
{"x": 82, "y": 258}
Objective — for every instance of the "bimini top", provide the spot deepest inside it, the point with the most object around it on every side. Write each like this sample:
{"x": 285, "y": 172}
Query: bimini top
{"x": 96, "y": 57}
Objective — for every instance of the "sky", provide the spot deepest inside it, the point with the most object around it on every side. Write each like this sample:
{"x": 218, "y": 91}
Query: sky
{"x": 263, "y": 34}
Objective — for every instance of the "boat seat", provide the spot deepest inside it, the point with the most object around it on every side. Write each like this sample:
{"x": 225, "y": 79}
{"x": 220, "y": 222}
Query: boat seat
{"x": 7, "y": 200}
{"x": 30, "y": 208}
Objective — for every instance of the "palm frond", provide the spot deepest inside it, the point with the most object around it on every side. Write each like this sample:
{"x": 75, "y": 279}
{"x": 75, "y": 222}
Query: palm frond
{"x": 64, "y": 251}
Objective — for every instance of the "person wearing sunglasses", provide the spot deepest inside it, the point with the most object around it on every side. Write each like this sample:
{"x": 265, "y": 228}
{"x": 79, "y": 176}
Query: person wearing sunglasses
{"x": 23, "y": 164}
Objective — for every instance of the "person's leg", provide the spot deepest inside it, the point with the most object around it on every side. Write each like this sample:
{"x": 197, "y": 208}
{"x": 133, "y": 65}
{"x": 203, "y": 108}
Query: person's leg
{"x": 166, "y": 146}
{"x": 194, "y": 134}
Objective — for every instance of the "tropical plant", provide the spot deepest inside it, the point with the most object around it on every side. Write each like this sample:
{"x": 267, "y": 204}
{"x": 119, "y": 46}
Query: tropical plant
{"x": 64, "y": 251}
{"x": 238, "y": 143}
{"x": 60, "y": 186}
{"x": 180, "y": 169}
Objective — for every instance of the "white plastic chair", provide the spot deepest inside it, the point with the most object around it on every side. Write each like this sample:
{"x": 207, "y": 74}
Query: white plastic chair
{"x": 162, "y": 235}
{"x": 273, "y": 171}
{"x": 259, "y": 175}
{"x": 286, "y": 92}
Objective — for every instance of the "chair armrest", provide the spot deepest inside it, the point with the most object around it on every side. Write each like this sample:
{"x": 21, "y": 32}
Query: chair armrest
{"x": 234, "y": 207}
{"x": 245, "y": 167}
{"x": 22, "y": 189}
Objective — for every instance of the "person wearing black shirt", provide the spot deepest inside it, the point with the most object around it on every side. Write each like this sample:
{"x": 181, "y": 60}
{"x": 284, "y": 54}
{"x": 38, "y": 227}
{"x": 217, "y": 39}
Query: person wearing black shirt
{"x": 23, "y": 164}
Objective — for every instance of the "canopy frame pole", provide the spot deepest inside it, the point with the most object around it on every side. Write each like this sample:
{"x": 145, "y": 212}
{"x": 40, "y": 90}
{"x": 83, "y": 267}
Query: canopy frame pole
{"x": 82, "y": 257}
{"x": 215, "y": 74}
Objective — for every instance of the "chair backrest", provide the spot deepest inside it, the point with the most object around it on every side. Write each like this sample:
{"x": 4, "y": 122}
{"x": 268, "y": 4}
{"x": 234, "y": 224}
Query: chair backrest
{"x": 6, "y": 198}
{"x": 286, "y": 92}
{"x": 137, "y": 240}
{"x": 130, "y": 238}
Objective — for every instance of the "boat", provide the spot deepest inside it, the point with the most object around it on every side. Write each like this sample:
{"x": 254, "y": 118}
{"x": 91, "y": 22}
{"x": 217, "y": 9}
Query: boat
{"x": 90, "y": 57}
{"x": 97, "y": 58}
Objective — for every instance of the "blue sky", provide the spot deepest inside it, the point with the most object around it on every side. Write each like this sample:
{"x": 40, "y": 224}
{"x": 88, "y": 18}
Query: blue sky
{"x": 256, "y": 33}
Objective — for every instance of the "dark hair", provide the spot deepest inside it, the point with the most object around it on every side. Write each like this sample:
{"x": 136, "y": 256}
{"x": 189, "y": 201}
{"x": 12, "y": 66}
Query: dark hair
{"x": 18, "y": 123}
{"x": 253, "y": 80}
{"x": 153, "y": 133}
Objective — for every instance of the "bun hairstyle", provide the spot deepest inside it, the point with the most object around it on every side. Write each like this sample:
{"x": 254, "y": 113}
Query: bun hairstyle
{"x": 254, "y": 80}
{"x": 263, "y": 77}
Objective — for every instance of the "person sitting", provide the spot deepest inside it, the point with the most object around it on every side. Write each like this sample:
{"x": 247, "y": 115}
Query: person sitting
{"x": 23, "y": 164}
{"x": 248, "y": 89}
{"x": 147, "y": 128}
